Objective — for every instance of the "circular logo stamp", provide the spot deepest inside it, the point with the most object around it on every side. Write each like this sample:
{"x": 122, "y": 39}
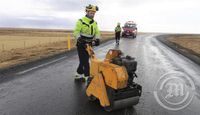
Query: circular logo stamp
{"x": 174, "y": 90}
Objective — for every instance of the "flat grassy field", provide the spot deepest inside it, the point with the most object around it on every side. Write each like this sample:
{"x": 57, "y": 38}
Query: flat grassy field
{"x": 191, "y": 42}
{"x": 19, "y": 46}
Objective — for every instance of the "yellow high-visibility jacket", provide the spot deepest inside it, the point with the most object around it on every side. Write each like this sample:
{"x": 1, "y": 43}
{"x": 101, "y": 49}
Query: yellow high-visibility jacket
{"x": 118, "y": 29}
{"x": 86, "y": 27}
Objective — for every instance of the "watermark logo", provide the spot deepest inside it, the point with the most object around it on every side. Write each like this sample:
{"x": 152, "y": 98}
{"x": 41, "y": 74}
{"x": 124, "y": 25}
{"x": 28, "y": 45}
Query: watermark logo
{"x": 174, "y": 90}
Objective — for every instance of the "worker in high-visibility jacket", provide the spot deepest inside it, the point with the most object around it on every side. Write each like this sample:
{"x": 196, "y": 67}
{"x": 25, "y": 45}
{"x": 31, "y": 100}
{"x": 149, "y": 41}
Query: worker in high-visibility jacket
{"x": 86, "y": 29}
{"x": 117, "y": 33}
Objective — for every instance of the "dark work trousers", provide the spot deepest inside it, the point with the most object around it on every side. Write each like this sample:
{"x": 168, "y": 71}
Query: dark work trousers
{"x": 84, "y": 67}
{"x": 117, "y": 36}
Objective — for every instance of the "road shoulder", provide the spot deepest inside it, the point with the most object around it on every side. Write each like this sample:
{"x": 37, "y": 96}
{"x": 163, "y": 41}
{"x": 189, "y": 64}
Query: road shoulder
{"x": 195, "y": 57}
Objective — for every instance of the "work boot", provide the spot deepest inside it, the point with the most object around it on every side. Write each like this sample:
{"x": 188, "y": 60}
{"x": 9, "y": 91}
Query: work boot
{"x": 88, "y": 81}
{"x": 78, "y": 76}
{"x": 85, "y": 78}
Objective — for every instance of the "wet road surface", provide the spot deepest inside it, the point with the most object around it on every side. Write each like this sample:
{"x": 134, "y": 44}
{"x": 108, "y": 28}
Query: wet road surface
{"x": 50, "y": 89}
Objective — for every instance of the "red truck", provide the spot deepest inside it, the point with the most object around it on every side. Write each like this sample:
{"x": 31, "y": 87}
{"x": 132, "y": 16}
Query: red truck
{"x": 129, "y": 29}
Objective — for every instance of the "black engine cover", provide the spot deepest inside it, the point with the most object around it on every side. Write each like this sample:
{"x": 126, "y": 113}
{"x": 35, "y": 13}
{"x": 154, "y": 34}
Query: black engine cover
{"x": 128, "y": 61}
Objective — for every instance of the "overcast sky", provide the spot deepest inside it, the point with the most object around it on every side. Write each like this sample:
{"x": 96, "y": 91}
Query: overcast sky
{"x": 179, "y": 16}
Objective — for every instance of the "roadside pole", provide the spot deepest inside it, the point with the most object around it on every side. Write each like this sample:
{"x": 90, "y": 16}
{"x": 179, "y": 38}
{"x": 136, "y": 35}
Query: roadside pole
{"x": 69, "y": 42}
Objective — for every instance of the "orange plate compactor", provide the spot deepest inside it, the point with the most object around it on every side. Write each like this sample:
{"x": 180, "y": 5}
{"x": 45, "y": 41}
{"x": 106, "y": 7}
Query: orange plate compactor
{"x": 111, "y": 80}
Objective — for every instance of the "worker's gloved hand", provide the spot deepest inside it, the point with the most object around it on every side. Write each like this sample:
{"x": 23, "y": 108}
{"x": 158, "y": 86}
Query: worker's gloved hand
{"x": 97, "y": 42}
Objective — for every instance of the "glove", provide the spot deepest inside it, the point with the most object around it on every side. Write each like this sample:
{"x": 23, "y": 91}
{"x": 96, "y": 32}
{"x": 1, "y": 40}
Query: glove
{"x": 97, "y": 42}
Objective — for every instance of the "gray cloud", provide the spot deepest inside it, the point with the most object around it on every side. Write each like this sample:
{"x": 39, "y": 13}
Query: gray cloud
{"x": 132, "y": 3}
{"x": 168, "y": 15}
{"x": 67, "y": 5}
{"x": 39, "y": 22}
{"x": 47, "y": 20}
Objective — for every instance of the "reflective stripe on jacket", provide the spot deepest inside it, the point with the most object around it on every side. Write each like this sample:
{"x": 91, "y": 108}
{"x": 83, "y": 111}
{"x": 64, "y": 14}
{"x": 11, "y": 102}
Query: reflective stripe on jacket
{"x": 118, "y": 29}
{"x": 86, "y": 27}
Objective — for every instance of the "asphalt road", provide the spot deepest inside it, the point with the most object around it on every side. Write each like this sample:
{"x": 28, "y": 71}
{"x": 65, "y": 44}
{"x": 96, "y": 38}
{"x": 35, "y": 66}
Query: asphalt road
{"x": 49, "y": 88}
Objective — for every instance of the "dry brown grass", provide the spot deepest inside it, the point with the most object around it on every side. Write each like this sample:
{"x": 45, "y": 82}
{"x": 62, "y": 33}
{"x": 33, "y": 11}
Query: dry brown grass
{"x": 191, "y": 42}
{"x": 24, "y": 45}
{"x": 18, "y": 56}
{"x": 25, "y": 38}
